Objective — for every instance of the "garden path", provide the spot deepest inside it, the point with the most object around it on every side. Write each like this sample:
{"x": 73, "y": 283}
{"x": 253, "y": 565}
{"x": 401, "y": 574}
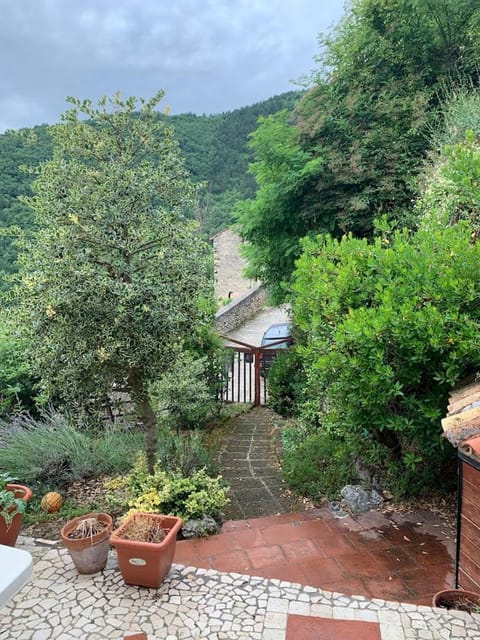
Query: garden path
{"x": 249, "y": 462}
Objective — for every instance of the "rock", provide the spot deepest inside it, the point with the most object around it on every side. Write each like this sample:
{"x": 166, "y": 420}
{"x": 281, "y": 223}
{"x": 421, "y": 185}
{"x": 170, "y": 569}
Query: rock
{"x": 337, "y": 511}
{"x": 358, "y": 499}
{"x": 205, "y": 526}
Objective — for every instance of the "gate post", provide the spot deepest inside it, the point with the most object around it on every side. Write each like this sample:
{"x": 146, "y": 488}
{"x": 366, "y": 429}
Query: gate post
{"x": 257, "y": 354}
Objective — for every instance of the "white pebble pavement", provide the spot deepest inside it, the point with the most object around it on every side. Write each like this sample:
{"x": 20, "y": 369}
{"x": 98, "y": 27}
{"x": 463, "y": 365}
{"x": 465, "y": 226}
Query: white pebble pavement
{"x": 198, "y": 603}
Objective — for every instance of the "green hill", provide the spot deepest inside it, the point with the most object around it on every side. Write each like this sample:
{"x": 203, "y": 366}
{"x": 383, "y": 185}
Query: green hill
{"x": 215, "y": 151}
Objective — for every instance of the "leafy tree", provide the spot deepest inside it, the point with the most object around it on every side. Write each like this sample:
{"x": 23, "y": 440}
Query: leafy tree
{"x": 270, "y": 224}
{"x": 366, "y": 122}
{"x": 115, "y": 276}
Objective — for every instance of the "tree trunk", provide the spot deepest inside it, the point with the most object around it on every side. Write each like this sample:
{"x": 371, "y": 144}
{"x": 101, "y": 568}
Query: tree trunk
{"x": 146, "y": 414}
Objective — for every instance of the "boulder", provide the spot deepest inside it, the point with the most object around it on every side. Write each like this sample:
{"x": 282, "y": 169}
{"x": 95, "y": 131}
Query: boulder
{"x": 204, "y": 526}
{"x": 358, "y": 499}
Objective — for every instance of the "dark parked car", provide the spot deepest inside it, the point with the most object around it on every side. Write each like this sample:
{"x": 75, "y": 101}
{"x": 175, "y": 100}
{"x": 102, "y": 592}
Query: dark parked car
{"x": 271, "y": 339}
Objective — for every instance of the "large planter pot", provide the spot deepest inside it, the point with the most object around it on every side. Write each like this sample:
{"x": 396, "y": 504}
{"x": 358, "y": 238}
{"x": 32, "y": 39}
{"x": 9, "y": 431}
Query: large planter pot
{"x": 145, "y": 564}
{"x": 458, "y": 599}
{"x": 9, "y": 532}
{"x": 89, "y": 554}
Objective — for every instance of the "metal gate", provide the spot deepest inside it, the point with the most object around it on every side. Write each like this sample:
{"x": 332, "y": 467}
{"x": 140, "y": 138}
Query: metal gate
{"x": 246, "y": 372}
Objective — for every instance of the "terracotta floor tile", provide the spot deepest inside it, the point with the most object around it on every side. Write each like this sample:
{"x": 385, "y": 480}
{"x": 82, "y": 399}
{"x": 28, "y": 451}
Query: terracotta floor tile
{"x": 369, "y": 539}
{"x": 395, "y": 559}
{"x": 311, "y": 628}
{"x": 283, "y": 571}
{"x": 282, "y": 533}
{"x": 233, "y": 561}
{"x": 425, "y": 580}
{"x": 213, "y": 545}
{"x": 235, "y": 525}
{"x": 430, "y": 553}
{"x": 300, "y": 550}
{"x": 185, "y": 552}
{"x": 372, "y": 519}
{"x": 402, "y": 535}
{"x": 348, "y": 586}
{"x": 315, "y": 528}
{"x": 265, "y": 556}
{"x": 344, "y": 525}
{"x": 389, "y": 588}
{"x": 321, "y": 571}
{"x": 360, "y": 565}
{"x": 333, "y": 546}
{"x": 267, "y": 521}
{"x": 246, "y": 538}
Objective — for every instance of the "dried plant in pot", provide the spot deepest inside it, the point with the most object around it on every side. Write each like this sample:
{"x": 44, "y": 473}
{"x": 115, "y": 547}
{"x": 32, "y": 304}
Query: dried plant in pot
{"x": 458, "y": 599}
{"x": 145, "y": 544}
{"x": 13, "y": 501}
{"x": 87, "y": 540}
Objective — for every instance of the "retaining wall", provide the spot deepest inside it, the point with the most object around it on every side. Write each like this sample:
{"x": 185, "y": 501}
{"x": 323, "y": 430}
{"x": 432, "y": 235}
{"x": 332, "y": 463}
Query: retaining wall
{"x": 238, "y": 311}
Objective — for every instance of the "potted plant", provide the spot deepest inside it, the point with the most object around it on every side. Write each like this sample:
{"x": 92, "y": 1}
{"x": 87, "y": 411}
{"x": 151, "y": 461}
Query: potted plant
{"x": 13, "y": 502}
{"x": 87, "y": 539}
{"x": 145, "y": 544}
{"x": 458, "y": 599}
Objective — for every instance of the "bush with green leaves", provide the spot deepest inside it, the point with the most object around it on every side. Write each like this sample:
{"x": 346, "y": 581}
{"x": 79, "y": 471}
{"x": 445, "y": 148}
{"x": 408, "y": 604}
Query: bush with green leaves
{"x": 389, "y": 327}
{"x": 50, "y": 451}
{"x": 182, "y": 396}
{"x": 183, "y": 453}
{"x": 10, "y": 505}
{"x": 169, "y": 493}
{"x": 285, "y": 381}
{"x": 316, "y": 463}
{"x": 17, "y": 384}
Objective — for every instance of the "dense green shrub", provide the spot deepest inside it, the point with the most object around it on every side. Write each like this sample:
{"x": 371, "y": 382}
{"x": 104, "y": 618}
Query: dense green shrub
{"x": 52, "y": 451}
{"x": 183, "y": 453}
{"x": 390, "y": 326}
{"x": 182, "y": 397}
{"x": 285, "y": 380}
{"x": 17, "y": 384}
{"x": 316, "y": 463}
{"x": 169, "y": 493}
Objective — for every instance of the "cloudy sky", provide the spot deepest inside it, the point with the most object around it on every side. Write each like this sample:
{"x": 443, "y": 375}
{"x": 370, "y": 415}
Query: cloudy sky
{"x": 208, "y": 55}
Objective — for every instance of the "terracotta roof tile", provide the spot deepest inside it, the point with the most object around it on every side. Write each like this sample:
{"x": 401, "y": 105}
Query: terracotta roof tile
{"x": 461, "y": 426}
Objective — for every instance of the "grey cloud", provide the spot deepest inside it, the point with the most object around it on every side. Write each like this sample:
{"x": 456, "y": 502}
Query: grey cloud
{"x": 209, "y": 56}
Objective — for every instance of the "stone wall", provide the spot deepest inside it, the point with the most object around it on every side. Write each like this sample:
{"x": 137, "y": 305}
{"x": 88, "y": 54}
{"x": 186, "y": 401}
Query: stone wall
{"x": 230, "y": 284}
{"x": 237, "y": 312}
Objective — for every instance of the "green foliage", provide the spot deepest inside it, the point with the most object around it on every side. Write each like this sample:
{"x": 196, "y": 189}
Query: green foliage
{"x": 389, "y": 327}
{"x": 17, "y": 385}
{"x": 183, "y": 453}
{"x": 450, "y": 190}
{"x": 115, "y": 276}
{"x": 182, "y": 396}
{"x": 50, "y": 451}
{"x": 270, "y": 224}
{"x": 215, "y": 152}
{"x": 18, "y": 149}
{"x": 356, "y": 142}
{"x": 286, "y": 378}
{"x": 9, "y": 504}
{"x": 171, "y": 493}
{"x": 316, "y": 464}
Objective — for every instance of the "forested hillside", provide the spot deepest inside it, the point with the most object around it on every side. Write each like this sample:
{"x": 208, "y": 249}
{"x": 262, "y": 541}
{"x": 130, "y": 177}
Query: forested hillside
{"x": 214, "y": 148}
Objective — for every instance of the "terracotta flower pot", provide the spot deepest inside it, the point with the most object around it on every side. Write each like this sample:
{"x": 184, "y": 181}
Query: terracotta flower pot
{"x": 146, "y": 564}
{"x": 9, "y": 533}
{"x": 89, "y": 554}
{"x": 458, "y": 599}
